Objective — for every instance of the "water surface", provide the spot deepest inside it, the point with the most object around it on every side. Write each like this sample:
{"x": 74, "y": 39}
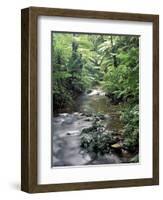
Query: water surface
{"x": 67, "y": 126}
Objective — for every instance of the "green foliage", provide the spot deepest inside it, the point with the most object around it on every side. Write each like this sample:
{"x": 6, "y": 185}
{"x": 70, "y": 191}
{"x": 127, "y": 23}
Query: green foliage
{"x": 95, "y": 139}
{"x": 67, "y": 69}
{"x": 82, "y": 61}
{"x": 130, "y": 117}
{"x": 76, "y": 66}
{"x": 135, "y": 159}
{"x": 122, "y": 82}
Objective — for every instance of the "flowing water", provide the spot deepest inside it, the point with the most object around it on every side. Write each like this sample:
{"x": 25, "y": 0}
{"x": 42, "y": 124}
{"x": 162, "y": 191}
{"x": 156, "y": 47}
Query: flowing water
{"x": 67, "y": 126}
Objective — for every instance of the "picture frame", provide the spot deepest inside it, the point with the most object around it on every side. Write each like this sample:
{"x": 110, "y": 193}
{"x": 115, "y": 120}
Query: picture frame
{"x": 29, "y": 99}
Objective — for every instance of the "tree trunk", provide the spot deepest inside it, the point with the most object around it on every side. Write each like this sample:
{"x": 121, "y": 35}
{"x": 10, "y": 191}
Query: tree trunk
{"x": 113, "y": 56}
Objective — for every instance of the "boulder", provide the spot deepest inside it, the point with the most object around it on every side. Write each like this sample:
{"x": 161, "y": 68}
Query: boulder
{"x": 89, "y": 91}
{"x": 63, "y": 114}
{"x": 76, "y": 113}
{"x": 117, "y": 145}
{"x": 88, "y": 114}
{"x": 76, "y": 132}
{"x": 88, "y": 119}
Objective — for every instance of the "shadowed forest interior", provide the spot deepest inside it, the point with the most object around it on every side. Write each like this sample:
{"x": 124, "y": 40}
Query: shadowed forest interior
{"x": 95, "y": 92}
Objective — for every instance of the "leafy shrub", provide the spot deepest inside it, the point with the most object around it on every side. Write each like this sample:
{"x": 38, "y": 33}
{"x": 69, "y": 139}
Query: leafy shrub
{"x": 95, "y": 139}
{"x": 130, "y": 117}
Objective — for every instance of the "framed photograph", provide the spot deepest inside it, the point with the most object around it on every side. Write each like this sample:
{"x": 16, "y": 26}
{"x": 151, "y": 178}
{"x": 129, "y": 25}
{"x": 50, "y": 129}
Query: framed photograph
{"x": 90, "y": 99}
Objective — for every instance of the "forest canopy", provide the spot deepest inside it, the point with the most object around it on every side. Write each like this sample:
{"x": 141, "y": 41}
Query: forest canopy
{"x": 81, "y": 62}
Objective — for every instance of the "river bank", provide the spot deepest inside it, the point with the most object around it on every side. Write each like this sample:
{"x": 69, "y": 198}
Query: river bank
{"x": 68, "y": 126}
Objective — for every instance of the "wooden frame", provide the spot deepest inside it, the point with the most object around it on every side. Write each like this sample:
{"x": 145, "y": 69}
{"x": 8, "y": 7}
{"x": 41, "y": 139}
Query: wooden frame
{"x": 29, "y": 99}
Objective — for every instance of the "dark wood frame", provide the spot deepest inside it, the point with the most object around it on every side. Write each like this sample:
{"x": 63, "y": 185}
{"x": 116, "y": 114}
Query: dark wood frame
{"x": 29, "y": 99}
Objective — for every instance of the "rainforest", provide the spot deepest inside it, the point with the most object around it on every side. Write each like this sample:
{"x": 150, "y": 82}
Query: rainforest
{"x": 95, "y": 99}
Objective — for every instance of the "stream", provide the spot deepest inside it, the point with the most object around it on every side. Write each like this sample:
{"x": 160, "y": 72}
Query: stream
{"x": 67, "y": 126}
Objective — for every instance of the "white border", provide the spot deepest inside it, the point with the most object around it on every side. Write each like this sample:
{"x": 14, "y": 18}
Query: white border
{"x": 48, "y": 175}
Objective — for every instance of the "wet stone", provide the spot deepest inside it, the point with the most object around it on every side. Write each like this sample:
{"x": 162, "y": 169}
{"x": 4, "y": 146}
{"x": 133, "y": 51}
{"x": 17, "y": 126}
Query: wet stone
{"x": 72, "y": 133}
{"x": 63, "y": 114}
{"x": 67, "y": 128}
{"x": 88, "y": 119}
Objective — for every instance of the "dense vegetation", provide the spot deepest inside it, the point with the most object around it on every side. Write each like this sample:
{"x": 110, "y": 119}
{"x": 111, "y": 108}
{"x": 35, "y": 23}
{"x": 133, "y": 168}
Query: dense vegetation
{"x": 83, "y": 61}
